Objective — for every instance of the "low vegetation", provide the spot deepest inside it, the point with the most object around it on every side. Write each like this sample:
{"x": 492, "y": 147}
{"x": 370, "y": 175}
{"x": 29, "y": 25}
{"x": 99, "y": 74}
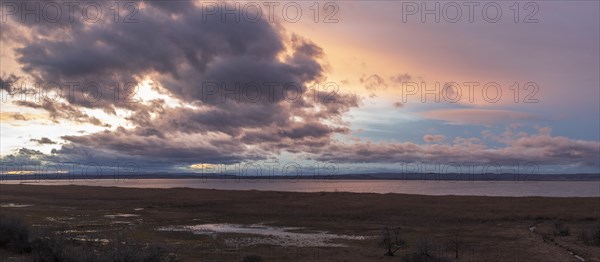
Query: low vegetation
{"x": 591, "y": 235}
{"x": 15, "y": 236}
{"x": 485, "y": 228}
{"x": 391, "y": 241}
{"x": 425, "y": 248}
{"x": 560, "y": 229}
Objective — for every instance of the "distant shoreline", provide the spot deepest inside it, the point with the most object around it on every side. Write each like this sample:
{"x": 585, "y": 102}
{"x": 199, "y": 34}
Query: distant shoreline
{"x": 555, "y": 188}
{"x": 374, "y": 176}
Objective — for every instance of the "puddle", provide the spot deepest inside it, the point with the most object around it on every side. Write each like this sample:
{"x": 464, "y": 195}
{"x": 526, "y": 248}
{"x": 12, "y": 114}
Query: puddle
{"x": 13, "y": 205}
{"x": 90, "y": 239}
{"x": 59, "y": 219}
{"x": 120, "y": 215}
{"x": 121, "y": 223}
{"x": 74, "y": 231}
{"x": 267, "y": 235}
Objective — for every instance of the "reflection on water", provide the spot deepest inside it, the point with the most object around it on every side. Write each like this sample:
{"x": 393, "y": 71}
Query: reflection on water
{"x": 13, "y": 205}
{"x": 120, "y": 215}
{"x": 266, "y": 235}
{"x": 423, "y": 187}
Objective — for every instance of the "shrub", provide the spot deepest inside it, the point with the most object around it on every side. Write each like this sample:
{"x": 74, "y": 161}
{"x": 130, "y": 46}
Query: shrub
{"x": 425, "y": 248}
{"x": 591, "y": 236}
{"x": 48, "y": 249}
{"x": 120, "y": 251}
{"x": 560, "y": 229}
{"x": 14, "y": 235}
{"x": 58, "y": 248}
{"x": 455, "y": 245}
{"x": 391, "y": 240}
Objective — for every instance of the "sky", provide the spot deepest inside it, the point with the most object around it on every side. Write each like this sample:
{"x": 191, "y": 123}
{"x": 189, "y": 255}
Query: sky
{"x": 300, "y": 87}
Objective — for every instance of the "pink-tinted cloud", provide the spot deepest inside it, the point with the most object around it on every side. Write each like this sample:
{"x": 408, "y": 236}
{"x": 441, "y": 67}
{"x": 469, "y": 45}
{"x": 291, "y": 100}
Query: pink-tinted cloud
{"x": 540, "y": 148}
{"x": 434, "y": 138}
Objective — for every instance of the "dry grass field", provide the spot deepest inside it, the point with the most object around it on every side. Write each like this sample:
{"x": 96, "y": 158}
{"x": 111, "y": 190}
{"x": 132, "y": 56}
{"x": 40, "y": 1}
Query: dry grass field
{"x": 486, "y": 228}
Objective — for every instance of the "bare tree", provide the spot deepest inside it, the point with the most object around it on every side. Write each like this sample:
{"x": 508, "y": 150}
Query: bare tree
{"x": 391, "y": 241}
{"x": 455, "y": 245}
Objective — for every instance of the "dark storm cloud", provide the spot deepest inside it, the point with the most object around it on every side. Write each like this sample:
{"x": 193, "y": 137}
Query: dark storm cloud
{"x": 183, "y": 50}
{"x": 170, "y": 150}
{"x": 27, "y": 151}
{"x": 185, "y": 53}
{"x": 60, "y": 110}
{"x": 21, "y": 157}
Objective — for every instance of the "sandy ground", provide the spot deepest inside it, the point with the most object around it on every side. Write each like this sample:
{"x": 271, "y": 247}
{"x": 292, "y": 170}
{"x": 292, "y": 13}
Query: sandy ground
{"x": 286, "y": 226}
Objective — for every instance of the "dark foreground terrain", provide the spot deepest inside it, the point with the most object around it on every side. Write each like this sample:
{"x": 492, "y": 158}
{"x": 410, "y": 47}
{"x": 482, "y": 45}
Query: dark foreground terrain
{"x": 80, "y": 223}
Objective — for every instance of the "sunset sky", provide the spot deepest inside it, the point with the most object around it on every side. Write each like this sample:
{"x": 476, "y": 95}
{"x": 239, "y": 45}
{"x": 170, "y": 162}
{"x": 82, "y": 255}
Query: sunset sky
{"x": 341, "y": 90}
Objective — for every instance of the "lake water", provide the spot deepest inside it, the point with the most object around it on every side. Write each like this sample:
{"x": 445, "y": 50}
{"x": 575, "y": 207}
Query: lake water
{"x": 422, "y": 187}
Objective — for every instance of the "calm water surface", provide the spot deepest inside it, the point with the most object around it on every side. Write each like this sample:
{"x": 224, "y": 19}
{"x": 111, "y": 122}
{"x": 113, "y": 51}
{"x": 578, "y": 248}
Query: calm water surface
{"x": 430, "y": 187}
